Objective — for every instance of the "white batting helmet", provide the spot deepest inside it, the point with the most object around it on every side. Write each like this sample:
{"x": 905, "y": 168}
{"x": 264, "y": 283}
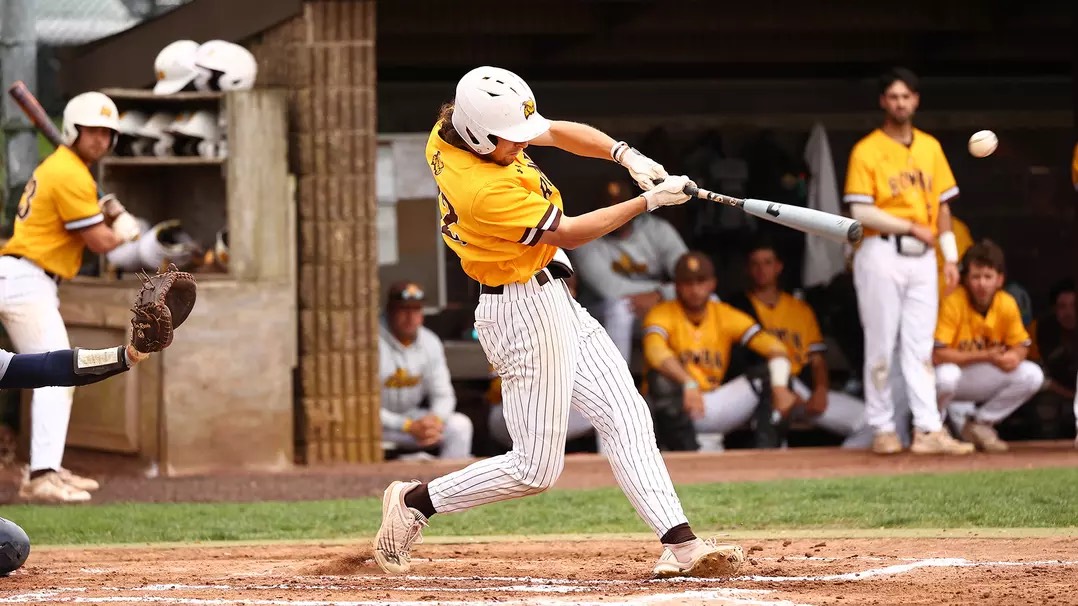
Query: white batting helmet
{"x": 175, "y": 67}
{"x": 154, "y": 128}
{"x": 201, "y": 124}
{"x": 88, "y": 109}
{"x": 224, "y": 65}
{"x": 131, "y": 121}
{"x": 495, "y": 101}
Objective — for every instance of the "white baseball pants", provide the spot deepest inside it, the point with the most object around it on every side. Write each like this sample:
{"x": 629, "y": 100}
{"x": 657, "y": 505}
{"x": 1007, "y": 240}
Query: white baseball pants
{"x": 579, "y": 426}
{"x": 552, "y": 356}
{"x": 1001, "y": 392}
{"x": 620, "y": 323}
{"x": 456, "y": 437}
{"x": 733, "y": 403}
{"x": 898, "y": 299}
{"x": 30, "y": 313}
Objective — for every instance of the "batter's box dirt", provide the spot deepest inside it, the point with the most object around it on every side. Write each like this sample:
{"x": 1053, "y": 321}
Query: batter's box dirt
{"x": 802, "y": 571}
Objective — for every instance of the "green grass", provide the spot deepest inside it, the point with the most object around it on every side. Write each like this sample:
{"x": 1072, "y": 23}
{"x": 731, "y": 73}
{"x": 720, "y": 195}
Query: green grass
{"x": 1040, "y": 498}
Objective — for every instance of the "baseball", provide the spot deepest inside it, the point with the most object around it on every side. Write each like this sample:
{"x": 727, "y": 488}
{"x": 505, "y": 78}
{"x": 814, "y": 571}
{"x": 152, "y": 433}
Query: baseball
{"x": 983, "y": 143}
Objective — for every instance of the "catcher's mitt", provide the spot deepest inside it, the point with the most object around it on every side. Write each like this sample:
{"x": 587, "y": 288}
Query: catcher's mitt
{"x": 164, "y": 302}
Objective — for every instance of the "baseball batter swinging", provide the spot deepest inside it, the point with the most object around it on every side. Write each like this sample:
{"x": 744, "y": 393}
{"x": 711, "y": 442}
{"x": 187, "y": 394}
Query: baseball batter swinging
{"x": 504, "y": 218}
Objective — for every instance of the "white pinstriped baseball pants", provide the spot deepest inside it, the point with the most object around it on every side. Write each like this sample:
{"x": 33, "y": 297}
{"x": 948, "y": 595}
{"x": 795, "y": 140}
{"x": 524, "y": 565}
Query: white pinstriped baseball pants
{"x": 29, "y": 310}
{"x": 553, "y": 355}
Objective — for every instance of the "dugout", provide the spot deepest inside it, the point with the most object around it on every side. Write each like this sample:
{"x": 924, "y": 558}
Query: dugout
{"x": 361, "y": 79}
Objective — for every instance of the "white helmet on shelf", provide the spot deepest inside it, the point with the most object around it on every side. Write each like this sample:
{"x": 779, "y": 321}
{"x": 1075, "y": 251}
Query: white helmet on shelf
{"x": 224, "y": 66}
{"x": 201, "y": 124}
{"x": 131, "y": 121}
{"x": 88, "y": 109}
{"x": 175, "y": 67}
{"x": 157, "y": 125}
{"x": 492, "y": 101}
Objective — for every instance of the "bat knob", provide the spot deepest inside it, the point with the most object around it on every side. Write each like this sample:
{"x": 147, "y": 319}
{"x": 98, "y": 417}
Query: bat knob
{"x": 855, "y": 233}
{"x": 690, "y": 189}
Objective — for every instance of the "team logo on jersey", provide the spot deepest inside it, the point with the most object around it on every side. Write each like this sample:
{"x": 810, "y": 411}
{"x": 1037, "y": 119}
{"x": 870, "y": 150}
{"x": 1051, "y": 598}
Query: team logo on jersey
{"x": 436, "y": 163}
{"x": 401, "y": 379}
{"x": 529, "y": 108}
{"x": 626, "y": 266}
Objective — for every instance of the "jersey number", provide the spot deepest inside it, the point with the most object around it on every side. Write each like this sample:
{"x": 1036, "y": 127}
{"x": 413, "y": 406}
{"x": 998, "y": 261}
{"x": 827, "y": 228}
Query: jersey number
{"x": 28, "y": 193}
{"x": 449, "y": 219}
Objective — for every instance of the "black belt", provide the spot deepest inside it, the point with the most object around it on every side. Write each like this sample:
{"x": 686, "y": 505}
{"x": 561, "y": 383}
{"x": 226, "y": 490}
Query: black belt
{"x": 52, "y": 276}
{"x": 554, "y": 271}
{"x": 897, "y": 240}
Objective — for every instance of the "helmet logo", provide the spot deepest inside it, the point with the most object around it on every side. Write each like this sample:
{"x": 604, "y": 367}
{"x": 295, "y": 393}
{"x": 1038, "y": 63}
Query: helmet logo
{"x": 529, "y": 108}
{"x": 106, "y": 111}
{"x": 436, "y": 163}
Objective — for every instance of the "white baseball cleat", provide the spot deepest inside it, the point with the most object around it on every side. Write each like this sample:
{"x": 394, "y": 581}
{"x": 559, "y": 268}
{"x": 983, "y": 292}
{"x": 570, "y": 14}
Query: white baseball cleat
{"x": 706, "y": 560}
{"x": 401, "y": 528}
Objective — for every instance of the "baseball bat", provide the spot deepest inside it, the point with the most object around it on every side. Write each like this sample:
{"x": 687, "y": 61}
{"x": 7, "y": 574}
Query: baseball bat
{"x": 816, "y": 222}
{"x": 33, "y": 110}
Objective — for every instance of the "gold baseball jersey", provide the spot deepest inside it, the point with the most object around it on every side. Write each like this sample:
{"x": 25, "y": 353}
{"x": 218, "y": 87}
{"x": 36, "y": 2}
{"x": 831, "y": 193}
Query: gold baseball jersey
{"x": 794, "y": 323}
{"x": 703, "y": 349}
{"x": 908, "y": 182}
{"x": 493, "y": 216}
{"x": 962, "y": 327}
{"x": 59, "y": 200}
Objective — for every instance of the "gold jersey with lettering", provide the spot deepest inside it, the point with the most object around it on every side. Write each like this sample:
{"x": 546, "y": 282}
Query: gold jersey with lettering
{"x": 59, "y": 200}
{"x": 907, "y": 181}
{"x": 493, "y": 216}
{"x": 794, "y": 323}
{"x": 960, "y": 326}
{"x": 703, "y": 348}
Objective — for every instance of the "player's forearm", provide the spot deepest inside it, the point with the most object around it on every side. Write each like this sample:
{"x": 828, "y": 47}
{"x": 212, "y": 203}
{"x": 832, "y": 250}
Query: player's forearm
{"x": 673, "y": 370}
{"x": 943, "y": 221}
{"x": 577, "y": 138}
{"x": 821, "y": 380}
{"x": 392, "y": 420}
{"x": 1020, "y": 350}
{"x": 876, "y": 218}
{"x": 67, "y": 367}
{"x": 948, "y": 355}
{"x": 577, "y": 231}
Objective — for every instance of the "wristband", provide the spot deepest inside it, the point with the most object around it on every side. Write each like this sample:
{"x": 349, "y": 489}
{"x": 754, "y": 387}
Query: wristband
{"x": 617, "y": 150}
{"x": 407, "y": 425}
{"x": 690, "y": 384}
{"x": 948, "y": 247}
{"x": 779, "y": 369}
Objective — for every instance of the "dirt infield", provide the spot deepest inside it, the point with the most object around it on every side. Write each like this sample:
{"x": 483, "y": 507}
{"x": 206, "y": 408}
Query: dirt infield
{"x": 825, "y": 567}
{"x": 798, "y": 571}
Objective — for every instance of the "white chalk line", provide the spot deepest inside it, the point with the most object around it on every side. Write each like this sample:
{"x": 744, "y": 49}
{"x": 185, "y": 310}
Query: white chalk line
{"x": 737, "y": 596}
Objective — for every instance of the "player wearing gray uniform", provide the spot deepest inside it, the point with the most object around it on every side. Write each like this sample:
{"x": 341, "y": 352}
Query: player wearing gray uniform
{"x": 413, "y": 371}
{"x": 629, "y": 271}
{"x": 503, "y": 218}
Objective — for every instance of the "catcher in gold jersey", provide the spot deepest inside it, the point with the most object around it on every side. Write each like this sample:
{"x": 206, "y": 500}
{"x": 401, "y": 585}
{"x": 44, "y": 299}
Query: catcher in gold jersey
{"x": 687, "y": 345}
{"x": 59, "y": 215}
{"x": 899, "y": 185}
{"x": 504, "y": 218}
{"x": 981, "y": 347}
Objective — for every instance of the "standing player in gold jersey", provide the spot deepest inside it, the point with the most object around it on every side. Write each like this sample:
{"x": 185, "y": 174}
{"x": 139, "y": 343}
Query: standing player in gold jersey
{"x": 899, "y": 185}
{"x": 58, "y": 216}
{"x": 504, "y": 219}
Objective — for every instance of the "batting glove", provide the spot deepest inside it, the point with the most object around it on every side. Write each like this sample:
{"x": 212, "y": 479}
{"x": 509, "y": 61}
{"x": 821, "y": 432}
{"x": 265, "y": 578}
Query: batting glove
{"x": 126, "y": 227}
{"x": 645, "y": 171}
{"x": 668, "y": 193}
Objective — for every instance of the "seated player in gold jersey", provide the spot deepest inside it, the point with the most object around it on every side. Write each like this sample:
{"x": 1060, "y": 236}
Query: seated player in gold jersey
{"x": 981, "y": 347}
{"x": 687, "y": 345}
{"x": 794, "y": 323}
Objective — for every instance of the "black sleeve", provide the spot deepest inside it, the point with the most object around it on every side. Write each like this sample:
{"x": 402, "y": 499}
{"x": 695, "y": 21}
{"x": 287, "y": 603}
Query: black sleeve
{"x": 54, "y": 368}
